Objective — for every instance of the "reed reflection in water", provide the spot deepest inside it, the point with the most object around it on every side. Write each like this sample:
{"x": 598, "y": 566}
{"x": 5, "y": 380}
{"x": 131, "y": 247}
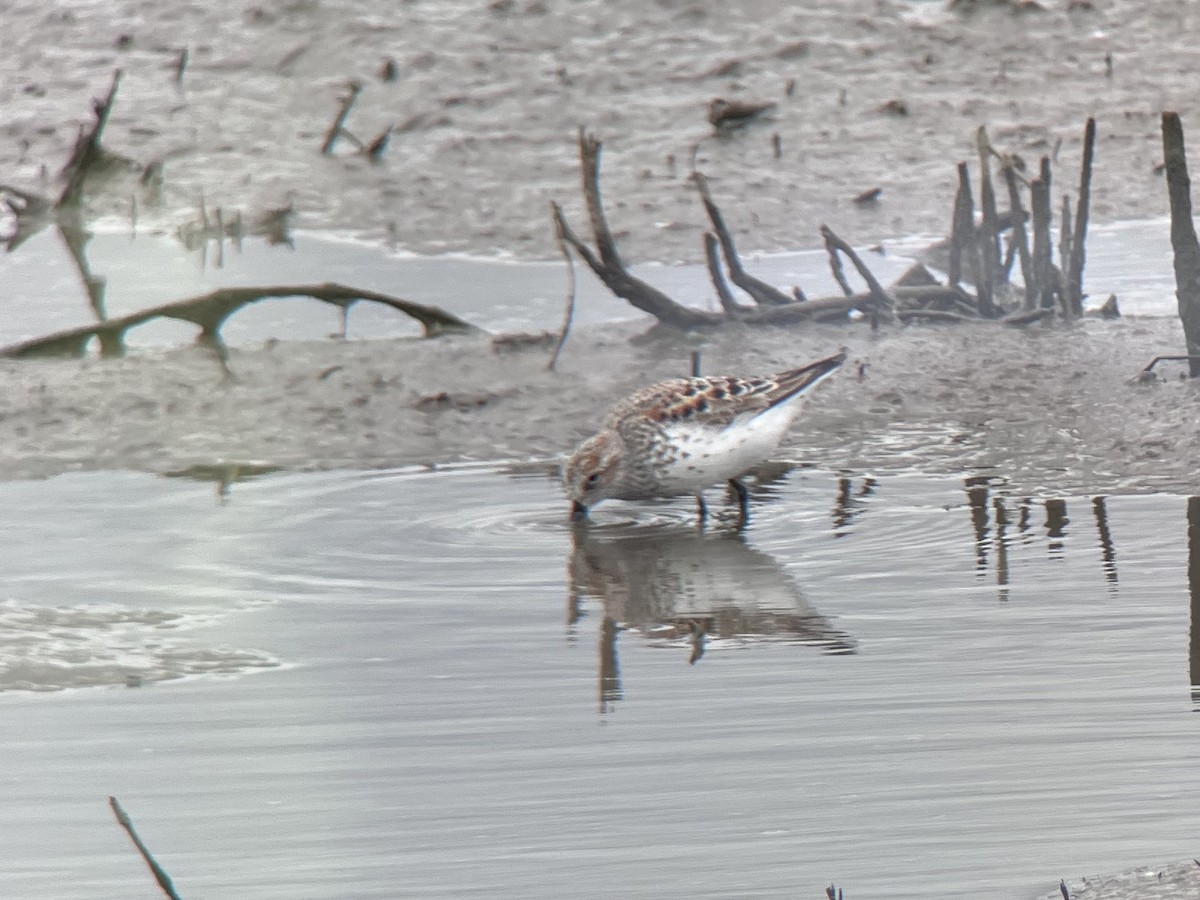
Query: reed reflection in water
{"x": 991, "y": 520}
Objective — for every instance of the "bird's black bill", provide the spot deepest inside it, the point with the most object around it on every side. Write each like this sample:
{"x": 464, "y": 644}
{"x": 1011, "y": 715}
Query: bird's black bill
{"x": 578, "y": 511}
{"x": 801, "y": 381}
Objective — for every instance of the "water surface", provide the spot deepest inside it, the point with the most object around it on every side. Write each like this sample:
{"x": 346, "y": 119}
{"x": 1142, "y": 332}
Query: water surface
{"x": 439, "y": 690}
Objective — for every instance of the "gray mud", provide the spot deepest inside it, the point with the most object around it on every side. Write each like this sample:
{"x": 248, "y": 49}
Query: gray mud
{"x": 1051, "y": 409}
{"x": 488, "y": 98}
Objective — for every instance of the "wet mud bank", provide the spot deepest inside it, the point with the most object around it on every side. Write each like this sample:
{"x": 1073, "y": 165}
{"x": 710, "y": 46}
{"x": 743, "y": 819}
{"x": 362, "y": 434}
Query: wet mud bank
{"x": 1050, "y": 408}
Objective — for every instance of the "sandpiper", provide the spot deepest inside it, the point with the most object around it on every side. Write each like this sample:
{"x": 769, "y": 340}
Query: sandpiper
{"x": 681, "y": 436}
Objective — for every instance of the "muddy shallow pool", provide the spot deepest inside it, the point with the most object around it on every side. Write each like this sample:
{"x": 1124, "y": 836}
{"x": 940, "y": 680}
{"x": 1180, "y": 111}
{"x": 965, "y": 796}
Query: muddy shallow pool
{"x": 425, "y": 684}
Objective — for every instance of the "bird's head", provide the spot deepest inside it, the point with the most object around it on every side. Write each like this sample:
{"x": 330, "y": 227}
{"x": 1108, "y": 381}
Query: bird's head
{"x": 592, "y": 472}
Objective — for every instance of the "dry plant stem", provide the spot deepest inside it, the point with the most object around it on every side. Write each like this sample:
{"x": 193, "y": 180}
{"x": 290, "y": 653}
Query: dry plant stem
{"x": 210, "y": 312}
{"x": 87, "y": 148}
{"x": 1078, "y": 250}
{"x": 569, "y": 311}
{"x": 336, "y": 130}
{"x": 160, "y": 874}
{"x": 1183, "y": 236}
{"x": 1020, "y": 236}
{"x": 713, "y": 260}
{"x": 880, "y": 297}
{"x": 763, "y": 293}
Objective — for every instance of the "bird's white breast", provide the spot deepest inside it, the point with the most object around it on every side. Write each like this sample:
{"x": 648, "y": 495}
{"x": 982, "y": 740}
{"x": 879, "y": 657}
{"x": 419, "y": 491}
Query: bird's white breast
{"x": 709, "y": 455}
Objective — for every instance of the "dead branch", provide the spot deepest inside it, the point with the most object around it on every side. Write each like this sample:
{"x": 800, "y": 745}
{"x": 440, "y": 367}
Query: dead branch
{"x": 87, "y": 148}
{"x": 880, "y": 297}
{"x": 763, "y": 293}
{"x": 608, "y": 267}
{"x": 713, "y": 261}
{"x": 1074, "y": 265}
{"x": 569, "y": 311}
{"x": 159, "y": 873}
{"x": 1183, "y": 236}
{"x": 210, "y": 311}
{"x": 337, "y": 129}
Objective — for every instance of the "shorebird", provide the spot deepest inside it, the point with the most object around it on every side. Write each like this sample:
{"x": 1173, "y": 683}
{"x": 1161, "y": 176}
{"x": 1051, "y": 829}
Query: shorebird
{"x": 681, "y": 436}
{"x": 729, "y": 114}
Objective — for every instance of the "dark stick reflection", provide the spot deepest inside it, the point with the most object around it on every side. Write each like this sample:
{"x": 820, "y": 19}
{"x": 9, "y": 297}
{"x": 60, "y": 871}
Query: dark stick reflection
{"x": 848, "y": 504}
{"x": 1056, "y": 525}
{"x": 1108, "y": 553}
{"x": 1193, "y": 578}
{"x": 992, "y": 520}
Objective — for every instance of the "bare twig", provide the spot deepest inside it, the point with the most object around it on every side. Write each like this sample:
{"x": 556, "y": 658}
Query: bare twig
{"x": 569, "y": 311}
{"x": 160, "y": 874}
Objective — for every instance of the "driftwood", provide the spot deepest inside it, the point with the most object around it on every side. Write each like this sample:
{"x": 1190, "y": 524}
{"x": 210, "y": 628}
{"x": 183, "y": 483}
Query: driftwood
{"x": 211, "y": 310}
{"x": 1183, "y": 237}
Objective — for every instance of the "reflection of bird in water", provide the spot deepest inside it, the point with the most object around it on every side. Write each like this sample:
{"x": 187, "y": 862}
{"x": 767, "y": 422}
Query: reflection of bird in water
{"x": 680, "y": 436}
{"x": 671, "y": 583}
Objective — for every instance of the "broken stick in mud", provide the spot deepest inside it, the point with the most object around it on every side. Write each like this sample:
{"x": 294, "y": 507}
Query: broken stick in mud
{"x": 1184, "y": 243}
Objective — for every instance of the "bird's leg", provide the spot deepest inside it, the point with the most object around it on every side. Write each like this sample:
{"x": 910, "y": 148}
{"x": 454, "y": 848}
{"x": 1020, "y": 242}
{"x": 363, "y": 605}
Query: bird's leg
{"x": 701, "y": 509}
{"x": 743, "y": 498}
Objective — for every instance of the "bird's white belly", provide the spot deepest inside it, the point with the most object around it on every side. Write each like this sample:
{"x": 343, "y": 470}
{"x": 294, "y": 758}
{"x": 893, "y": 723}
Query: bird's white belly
{"x": 708, "y": 456}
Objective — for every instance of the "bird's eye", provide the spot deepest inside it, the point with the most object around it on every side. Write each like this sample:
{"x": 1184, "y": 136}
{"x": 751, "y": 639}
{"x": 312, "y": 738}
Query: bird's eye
{"x": 591, "y": 481}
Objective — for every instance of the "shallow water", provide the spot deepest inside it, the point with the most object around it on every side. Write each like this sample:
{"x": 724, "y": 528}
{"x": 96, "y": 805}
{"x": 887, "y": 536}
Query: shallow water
{"x": 1131, "y": 259}
{"x": 444, "y": 692}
